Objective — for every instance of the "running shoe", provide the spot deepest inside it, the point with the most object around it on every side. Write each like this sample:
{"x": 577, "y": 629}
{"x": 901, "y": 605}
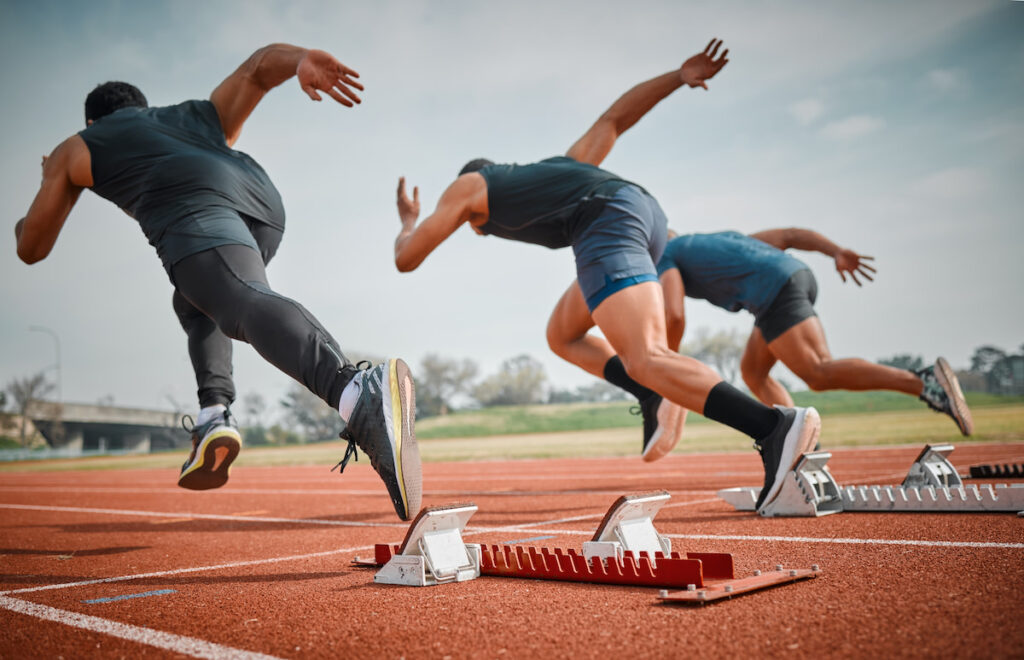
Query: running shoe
{"x": 215, "y": 445}
{"x": 795, "y": 435}
{"x": 381, "y": 425}
{"x": 942, "y": 394}
{"x": 663, "y": 426}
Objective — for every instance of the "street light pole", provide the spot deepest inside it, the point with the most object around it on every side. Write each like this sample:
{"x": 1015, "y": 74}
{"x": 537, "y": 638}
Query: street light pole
{"x": 56, "y": 343}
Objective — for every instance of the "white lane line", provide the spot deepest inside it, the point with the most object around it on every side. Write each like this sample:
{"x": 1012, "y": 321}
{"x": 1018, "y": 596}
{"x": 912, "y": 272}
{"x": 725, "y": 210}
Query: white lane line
{"x": 617, "y": 490}
{"x": 182, "y": 571}
{"x": 197, "y": 648}
{"x": 591, "y": 516}
{"x": 851, "y": 541}
{"x": 204, "y": 516}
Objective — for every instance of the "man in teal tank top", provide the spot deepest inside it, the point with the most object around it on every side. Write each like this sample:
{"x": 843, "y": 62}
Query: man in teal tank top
{"x": 215, "y": 220}
{"x": 617, "y": 232}
{"x": 754, "y": 273}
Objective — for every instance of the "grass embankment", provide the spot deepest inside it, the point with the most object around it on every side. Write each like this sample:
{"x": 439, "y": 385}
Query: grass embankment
{"x": 583, "y": 430}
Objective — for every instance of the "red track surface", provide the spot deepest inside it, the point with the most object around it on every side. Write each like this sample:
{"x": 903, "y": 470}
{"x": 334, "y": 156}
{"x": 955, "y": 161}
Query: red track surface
{"x": 262, "y": 566}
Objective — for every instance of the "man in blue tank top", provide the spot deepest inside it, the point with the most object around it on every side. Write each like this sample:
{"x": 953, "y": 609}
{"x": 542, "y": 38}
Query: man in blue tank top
{"x": 753, "y": 273}
{"x": 215, "y": 220}
{"x": 617, "y": 232}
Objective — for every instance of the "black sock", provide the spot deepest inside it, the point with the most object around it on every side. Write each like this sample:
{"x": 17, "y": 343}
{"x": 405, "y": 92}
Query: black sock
{"x": 728, "y": 405}
{"x": 615, "y": 373}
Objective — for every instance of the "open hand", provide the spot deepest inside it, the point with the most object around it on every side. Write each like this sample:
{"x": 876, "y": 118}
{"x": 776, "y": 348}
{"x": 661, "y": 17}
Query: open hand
{"x": 408, "y": 209}
{"x": 703, "y": 66}
{"x": 848, "y": 261}
{"x": 320, "y": 72}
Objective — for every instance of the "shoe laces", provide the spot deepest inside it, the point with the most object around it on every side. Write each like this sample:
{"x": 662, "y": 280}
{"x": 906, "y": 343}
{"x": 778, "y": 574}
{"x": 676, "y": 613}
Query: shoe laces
{"x": 350, "y": 452}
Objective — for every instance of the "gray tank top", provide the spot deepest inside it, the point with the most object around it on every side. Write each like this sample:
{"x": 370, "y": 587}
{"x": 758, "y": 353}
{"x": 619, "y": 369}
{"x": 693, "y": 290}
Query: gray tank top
{"x": 171, "y": 169}
{"x": 547, "y": 203}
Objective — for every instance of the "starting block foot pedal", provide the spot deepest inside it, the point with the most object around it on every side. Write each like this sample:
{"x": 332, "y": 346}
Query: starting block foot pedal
{"x": 808, "y": 490}
{"x": 628, "y": 526}
{"x": 933, "y": 468}
{"x": 433, "y": 551}
{"x": 727, "y": 589}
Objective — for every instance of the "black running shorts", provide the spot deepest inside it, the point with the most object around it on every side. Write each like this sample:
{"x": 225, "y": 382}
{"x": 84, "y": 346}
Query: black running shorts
{"x": 794, "y": 304}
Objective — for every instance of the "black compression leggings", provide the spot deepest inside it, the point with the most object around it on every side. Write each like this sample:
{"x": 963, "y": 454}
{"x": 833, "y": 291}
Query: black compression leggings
{"x": 222, "y": 294}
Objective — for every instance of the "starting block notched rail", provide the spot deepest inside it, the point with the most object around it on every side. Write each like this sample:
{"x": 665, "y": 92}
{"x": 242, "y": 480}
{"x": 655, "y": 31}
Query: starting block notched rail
{"x": 620, "y": 553}
{"x": 932, "y": 485}
{"x": 1004, "y": 471}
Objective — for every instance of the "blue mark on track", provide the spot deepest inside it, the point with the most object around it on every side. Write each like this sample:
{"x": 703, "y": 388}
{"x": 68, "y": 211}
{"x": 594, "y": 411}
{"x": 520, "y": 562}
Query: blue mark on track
{"x": 158, "y": 592}
{"x": 532, "y": 538}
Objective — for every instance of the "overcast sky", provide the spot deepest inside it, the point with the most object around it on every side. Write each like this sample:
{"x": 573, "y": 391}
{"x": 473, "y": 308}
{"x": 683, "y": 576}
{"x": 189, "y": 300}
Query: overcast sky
{"x": 896, "y": 129}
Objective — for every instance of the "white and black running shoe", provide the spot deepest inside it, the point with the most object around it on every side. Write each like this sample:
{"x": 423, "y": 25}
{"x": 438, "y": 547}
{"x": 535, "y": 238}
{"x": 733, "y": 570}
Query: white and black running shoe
{"x": 942, "y": 394}
{"x": 215, "y": 445}
{"x": 381, "y": 425}
{"x": 781, "y": 451}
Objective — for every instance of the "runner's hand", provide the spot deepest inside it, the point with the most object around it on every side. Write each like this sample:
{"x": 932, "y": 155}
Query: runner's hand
{"x": 320, "y": 72}
{"x": 848, "y": 261}
{"x": 408, "y": 209}
{"x": 703, "y": 66}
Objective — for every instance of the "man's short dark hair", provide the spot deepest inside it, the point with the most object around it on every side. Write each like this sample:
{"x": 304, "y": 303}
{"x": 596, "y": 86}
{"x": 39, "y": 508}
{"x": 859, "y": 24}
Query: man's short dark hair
{"x": 475, "y": 165}
{"x": 111, "y": 96}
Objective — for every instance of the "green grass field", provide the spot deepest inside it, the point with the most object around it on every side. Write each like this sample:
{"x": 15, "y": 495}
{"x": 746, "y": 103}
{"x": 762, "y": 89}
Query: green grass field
{"x": 580, "y": 430}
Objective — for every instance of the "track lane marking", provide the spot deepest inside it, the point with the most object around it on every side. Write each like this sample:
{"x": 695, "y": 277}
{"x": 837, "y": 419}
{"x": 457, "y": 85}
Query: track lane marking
{"x": 197, "y": 648}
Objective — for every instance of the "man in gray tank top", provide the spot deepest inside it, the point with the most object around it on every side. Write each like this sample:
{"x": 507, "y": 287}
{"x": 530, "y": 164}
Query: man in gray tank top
{"x": 215, "y": 220}
{"x": 617, "y": 232}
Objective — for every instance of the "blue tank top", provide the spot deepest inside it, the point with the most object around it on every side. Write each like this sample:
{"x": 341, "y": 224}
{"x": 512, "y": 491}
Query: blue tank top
{"x": 547, "y": 203}
{"x": 729, "y": 269}
{"x": 171, "y": 169}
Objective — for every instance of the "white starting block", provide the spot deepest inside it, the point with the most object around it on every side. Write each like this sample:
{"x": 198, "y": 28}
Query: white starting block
{"x": 932, "y": 485}
{"x": 808, "y": 490}
{"x": 932, "y": 468}
{"x": 629, "y": 527}
{"x": 433, "y": 551}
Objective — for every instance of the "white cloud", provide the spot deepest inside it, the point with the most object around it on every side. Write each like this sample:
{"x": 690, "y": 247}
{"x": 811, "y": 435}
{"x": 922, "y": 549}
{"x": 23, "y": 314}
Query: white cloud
{"x": 944, "y": 80}
{"x": 852, "y": 127}
{"x": 952, "y": 183}
{"x": 807, "y": 110}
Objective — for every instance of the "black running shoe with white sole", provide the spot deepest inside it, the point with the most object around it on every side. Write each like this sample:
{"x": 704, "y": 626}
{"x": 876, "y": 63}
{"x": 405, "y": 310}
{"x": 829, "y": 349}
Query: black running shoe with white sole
{"x": 215, "y": 445}
{"x": 381, "y": 425}
{"x": 942, "y": 394}
{"x": 795, "y": 435}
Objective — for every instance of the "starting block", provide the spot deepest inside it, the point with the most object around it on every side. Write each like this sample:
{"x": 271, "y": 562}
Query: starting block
{"x": 932, "y": 485}
{"x": 629, "y": 527}
{"x": 807, "y": 490}
{"x": 1004, "y": 471}
{"x": 433, "y": 551}
{"x": 626, "y": 549}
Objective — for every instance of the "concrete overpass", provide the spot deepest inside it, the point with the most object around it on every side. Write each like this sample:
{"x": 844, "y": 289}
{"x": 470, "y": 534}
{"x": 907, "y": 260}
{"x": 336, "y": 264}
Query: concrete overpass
{"x": 80, "y": 427}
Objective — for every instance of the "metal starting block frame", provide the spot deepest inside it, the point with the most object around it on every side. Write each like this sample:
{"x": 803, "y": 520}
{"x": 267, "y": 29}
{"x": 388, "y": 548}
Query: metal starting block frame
{"x": 932, "y": 485}
{"x": 638, "y": 556}
{"x": 433, "y": 551}
{"x": 808, "y": 490}
{"x": 629, "y": 527}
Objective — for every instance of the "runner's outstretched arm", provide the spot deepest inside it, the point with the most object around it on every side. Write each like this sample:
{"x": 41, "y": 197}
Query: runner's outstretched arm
{"x": 268, "y": 67}
{"x": 847, "y": 261}
{"x": 464, "y": 199}
{"x": 595, "y": 144}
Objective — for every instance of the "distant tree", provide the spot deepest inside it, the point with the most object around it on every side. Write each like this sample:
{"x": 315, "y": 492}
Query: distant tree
{"x": 985, "y": 357}
{"x": 904, "y": 361}
{"x": 722, "y": 350}
{"x": 254, "y": 432}
{"x": 105, "y": 401}
{"x": 439, "y": 380}
{"x": 25, "y": 392}
{"x": 520, "y": 380}
{"x": 308, "y": 413}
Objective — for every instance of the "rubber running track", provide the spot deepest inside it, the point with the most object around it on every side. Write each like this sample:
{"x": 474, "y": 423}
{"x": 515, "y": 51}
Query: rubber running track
{"x": 125, "y": 564}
